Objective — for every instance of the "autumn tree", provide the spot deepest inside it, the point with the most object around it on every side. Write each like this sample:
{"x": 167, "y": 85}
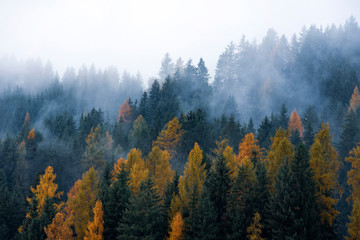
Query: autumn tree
{"x": 279, "y": 150}
{"x": 325, "y": 165}
{"x": 355, "y": 100}
{"x": 125, "y": 112}
{"x": 136, "y": 166}
{"x": 255, "y": 229}
{"x": 224, "y": 150}
{"x": 81, "y": 200}
{"x": 295, "y": 124}
{"x": 95, "y": 227}
{"x": 59, "y": 228}
{"x": 177, "y": 225}
{"x": 194, "y": 176}
{"x": 118, "y": 166}
{"x": 354, "y": 182}
{"x": 159, "y": 166}
{"x": 94, "y": 152}
{"x": 170, "y": 136}
{"x": 47, "y": 188}
{"x": 247, "y": 148}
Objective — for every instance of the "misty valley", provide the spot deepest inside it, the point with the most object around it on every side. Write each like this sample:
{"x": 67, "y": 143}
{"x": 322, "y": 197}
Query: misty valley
{"x": 266, "y": 147}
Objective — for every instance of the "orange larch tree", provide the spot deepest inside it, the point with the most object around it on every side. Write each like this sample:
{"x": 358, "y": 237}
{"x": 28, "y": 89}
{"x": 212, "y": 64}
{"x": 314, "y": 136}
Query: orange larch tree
{"x": 59, "y": 228}
{"x": 295, "y": 123}
{"x": 247, "y": 148}
{"x": 125, "y": 112}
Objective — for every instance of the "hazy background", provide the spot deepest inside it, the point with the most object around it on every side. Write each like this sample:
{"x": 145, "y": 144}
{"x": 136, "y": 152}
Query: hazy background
{"x": 135, "y": 35}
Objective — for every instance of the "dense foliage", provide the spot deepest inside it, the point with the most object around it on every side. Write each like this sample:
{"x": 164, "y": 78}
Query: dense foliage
{"x": 188, "y": 158}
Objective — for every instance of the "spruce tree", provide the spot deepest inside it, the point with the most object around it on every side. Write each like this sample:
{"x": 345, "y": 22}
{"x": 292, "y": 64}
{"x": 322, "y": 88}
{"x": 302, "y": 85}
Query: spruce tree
{"x": 114, "y": 208}
{"x": 282, "y": 208}
{"x": 143, "y": 219}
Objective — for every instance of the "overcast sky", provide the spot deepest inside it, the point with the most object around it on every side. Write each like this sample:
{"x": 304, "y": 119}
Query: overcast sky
{"x": 135, "y": 34}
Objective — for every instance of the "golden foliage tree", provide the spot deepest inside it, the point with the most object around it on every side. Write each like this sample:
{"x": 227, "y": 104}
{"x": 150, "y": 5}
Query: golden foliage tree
{"x": 125, "y": 112}
{"x": 254, "y": 231}
{"x": 194, "y": 175}
{"x": 224, "y": 150}
{"x": 94, "y": 152}
{"x": 120, "y": 163}
{"x": 170, "y": 136}
{"x": 59, "y": 228}
{"x": 325, "y": 165}
{"x": 159, "y": 167}
{"x": 355, "y": 100}
{"x": 45, "y": 189}
{"x": 95, "y": 227}
{"x": 82, "y": 199}
{"x": 295, "y": 123}
{"x": 280, "y": 149}
{"x": 27, "y": 118}
{"x": 354, "y": 182}
{"x": 247, "y": 147}
{"x": 136, "y": 166}
{"x": 354, "y": 224}
{"x": 177, "y": 225}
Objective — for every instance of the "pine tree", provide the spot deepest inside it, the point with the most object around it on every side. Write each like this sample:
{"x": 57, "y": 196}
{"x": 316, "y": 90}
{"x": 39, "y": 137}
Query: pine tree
{"x": 202, "y": 225}
{"x": 118, "y": 200}
{"x": 219, "y": 186}
{"x": 307, "y": 216}
{"x": 143, "y": 219}
{"x": 282, "y": 209}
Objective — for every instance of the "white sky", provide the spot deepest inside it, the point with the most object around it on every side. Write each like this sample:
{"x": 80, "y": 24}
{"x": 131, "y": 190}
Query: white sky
{"x": 135, "y": 34}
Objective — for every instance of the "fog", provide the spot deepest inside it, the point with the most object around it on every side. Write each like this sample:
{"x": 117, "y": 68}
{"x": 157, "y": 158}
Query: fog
{"x": 135, "y": 35}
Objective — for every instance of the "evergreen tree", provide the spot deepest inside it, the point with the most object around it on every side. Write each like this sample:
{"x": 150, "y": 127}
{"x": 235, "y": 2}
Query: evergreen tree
{"x": 311, "y": 123}
{"x": 118, "y": 199}
{"x": 143, "y": 219}
{"x": 283, "y": 117}
{"x": 219, "y": 185}
{"x": 264, "y": 133}
{"x": 282, "y": 208}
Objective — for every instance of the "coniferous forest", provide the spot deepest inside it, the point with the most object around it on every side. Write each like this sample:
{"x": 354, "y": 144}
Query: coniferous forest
{"x": 266, "y": 147}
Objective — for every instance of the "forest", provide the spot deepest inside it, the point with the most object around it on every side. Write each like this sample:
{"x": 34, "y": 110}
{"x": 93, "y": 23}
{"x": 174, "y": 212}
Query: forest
{"x": 267, "y": 148}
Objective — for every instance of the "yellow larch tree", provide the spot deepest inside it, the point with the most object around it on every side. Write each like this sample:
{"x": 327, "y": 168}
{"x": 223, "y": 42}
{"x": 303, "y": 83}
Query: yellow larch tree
{"x": 325, "y": 164}
{"x": 82, "y": 199}
{"x": 59, "y": 228}
{"x": 280, "y": 149}
{"x": 47, "y": 188}
{"x": 135, "y": 164}
{"x": 295, "y": 123}
{"x": 247, "y": 148}
{"x": 254, "y": 231}
{"x": 159, "y": 166}
{"x": 118, "y": 166}
{"x": 354, "y": 181}
{"x": 224, "y": 150}
{"x": 170, "y": 136}
{"x": 95, "y": 227}
{"x": 355, "y": 100}
{"x": 194, "y": 176}
{"x": 177, "y": 226}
